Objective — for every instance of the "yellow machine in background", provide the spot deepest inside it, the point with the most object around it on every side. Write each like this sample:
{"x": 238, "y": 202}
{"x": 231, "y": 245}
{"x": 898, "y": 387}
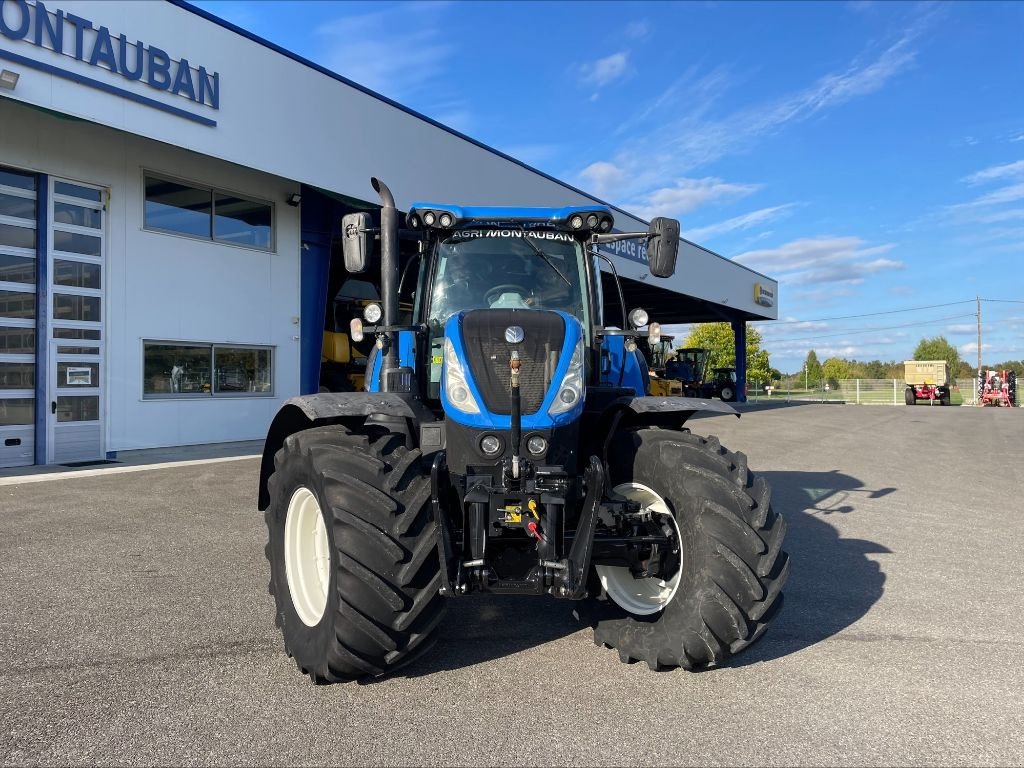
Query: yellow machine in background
{"x": 660, "y": 354}
{"x": 678, "y": 372}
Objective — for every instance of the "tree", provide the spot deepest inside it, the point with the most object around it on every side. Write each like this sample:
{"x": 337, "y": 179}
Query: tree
{"x": 719, "y": 340}
{"x": 812, "y": 370}
{"x": 938, "y": 348}
{"x": 834, "y": 370}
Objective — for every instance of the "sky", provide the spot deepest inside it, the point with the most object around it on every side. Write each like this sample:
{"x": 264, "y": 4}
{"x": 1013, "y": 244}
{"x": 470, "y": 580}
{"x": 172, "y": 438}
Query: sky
{"x": 868, "y": 155}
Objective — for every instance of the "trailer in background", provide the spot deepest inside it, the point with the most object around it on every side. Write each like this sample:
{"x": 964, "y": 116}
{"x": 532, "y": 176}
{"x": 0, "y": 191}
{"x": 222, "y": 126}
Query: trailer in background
{"x": 926, "y": 380}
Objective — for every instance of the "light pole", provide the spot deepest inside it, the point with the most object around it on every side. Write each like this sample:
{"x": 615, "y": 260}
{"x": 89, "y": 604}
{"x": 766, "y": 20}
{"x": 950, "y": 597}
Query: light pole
{"x": 805, "y": 376}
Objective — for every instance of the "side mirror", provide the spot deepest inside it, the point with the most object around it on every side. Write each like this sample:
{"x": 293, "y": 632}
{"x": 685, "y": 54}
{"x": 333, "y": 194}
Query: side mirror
{"x": 662, "y": 246}
{"x": 355, "y": 242}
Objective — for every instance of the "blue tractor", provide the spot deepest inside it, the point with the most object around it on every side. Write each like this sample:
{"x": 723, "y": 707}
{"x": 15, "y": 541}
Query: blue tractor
{"x": 506, "y": 443}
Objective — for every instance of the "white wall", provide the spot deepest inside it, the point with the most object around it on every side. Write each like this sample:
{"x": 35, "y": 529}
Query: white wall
{"x": 282, "y": 117}
{"x": 167, "y": 287}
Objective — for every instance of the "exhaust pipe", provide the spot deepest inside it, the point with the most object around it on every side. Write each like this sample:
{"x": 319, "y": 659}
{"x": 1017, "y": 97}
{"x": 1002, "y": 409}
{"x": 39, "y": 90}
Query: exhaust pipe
{"x": 389, "y": 275}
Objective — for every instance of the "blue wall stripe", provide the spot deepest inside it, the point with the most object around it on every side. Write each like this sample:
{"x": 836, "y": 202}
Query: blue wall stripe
{"x": 42, "y": 315}
{"x": 105, "y": 87}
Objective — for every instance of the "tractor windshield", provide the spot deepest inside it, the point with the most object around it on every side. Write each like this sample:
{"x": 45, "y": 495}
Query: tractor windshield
{"x": 508, "y": 269}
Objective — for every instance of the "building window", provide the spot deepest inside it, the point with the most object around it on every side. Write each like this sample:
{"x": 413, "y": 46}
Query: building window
{"x": 209, "y": 214}
{"x": 187, "y": 369}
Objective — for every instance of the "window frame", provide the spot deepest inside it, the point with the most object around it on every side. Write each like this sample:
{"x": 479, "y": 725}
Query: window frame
{"x": 213, "y": 191}
{"x": 211, "y": 348}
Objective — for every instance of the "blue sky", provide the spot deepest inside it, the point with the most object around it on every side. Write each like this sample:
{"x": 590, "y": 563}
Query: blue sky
{"x": 868, "y": 155}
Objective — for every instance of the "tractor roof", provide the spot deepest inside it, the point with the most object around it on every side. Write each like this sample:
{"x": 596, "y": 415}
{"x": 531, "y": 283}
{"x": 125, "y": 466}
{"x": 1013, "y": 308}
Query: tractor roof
{"x": 569, "y": 218}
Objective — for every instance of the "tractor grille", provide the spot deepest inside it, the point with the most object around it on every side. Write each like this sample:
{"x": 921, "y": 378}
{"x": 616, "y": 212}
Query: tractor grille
{"x": 483, "y": 335}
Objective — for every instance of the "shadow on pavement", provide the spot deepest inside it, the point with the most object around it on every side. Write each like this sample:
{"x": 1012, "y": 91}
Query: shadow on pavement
{"x": 480, "y": 628}
{"x": 832, "y": 582}
{"x": 831, "y": 585}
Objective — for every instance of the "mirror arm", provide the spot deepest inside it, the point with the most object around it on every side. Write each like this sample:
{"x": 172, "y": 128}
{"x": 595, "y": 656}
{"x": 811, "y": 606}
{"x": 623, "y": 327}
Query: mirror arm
{"x": 617, "y": 236}
{"x": 618, "y": 283}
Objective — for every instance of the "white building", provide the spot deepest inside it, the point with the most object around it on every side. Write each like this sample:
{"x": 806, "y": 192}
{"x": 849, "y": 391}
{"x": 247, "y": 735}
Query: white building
{"x": 169, "y": 185}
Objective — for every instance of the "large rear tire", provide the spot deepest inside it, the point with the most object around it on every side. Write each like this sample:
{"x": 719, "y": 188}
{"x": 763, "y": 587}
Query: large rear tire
{"x": 352, "y": 548}
{"x": 909, "y": 398}
{"x": 728, "y": 587}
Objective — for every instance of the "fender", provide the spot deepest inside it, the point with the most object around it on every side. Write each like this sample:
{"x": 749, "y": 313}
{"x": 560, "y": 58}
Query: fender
{"x": 300, "y": 413}
{"x": 684, "y": 405}
{"x": 671, "y": 412}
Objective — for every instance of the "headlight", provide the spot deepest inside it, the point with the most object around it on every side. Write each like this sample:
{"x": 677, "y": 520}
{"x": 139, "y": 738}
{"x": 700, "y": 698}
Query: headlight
{"x": 654, "y": 333}
{"x": 536, "y": 445}
{"x": 455, "y": 385}
{"x": 570, "y": 391}
{"x": 445, "y": 220}
{"x": 372, "y": 313}
{"x": 490, "y": 444}
{"x": 638, "y": 318}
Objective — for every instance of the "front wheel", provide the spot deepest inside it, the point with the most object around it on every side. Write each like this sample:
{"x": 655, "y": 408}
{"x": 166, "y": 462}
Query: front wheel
{"x": 728, "y": 394}
{"x": 729, "y": 568}
{"x": 354, "y": 569}
{"x": 908, "y": 397}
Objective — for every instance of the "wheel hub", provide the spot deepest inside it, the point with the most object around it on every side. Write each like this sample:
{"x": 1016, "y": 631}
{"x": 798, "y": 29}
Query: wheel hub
{"x": 307, "y": 557}
{"x": 647, "y": 596}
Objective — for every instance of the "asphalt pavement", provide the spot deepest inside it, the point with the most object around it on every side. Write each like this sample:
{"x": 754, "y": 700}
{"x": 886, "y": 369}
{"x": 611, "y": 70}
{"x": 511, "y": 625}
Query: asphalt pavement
{"x": 136, "y": 628}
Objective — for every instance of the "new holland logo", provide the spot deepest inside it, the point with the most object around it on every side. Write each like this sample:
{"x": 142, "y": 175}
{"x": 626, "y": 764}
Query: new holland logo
{"x": 514, "y": 334}
{"x": 763, "y": 295}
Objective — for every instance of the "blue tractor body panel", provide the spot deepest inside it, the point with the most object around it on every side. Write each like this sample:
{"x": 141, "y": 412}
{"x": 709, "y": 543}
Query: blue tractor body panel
{"x": 406, "y": 359}
{"x": 539, "y": 420}
{"x": 623, "y": 368}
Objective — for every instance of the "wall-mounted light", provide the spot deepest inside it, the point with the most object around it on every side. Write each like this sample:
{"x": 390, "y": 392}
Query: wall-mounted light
{"x": 294, "y": 199}
{"x": 8, "y": 79}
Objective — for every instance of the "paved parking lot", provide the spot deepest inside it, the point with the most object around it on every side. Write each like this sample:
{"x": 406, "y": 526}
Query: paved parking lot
{"x": 136, "y": 626}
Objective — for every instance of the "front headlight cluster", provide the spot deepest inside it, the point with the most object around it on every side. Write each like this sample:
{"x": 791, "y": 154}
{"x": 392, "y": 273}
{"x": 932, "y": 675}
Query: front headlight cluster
{"x": 570, "y": 391}
{"x": 455, "y": 386}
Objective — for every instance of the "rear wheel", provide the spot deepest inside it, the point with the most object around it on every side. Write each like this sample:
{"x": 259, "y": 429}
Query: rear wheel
{"x": 352, "y": 548}
{"x": 728, "y": 394}
{"x": 727, "y": 586}
{"x": 908, "y": 396}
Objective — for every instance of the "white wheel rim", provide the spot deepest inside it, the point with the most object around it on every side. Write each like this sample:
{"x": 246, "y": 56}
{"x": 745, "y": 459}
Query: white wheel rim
{"x": 641, "y": 597}
{"x": 727, "y": 393}
{"x": 307, "y": 558}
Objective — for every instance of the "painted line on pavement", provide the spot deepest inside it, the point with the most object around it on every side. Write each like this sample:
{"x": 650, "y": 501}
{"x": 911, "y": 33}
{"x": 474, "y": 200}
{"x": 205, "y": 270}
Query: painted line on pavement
{"x": 42, "y": 478}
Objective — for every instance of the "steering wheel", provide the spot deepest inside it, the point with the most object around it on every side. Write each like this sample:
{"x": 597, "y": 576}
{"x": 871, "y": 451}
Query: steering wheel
{"x": 493, "y": 294}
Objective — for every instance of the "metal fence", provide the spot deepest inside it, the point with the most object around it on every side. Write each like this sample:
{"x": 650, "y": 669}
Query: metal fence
{"x": 853, "y": 391}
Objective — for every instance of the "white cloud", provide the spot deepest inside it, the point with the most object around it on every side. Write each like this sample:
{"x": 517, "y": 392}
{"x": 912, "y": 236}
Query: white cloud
{"x": 971, "y": 348}
{"x": 679, "y": 130}
{"x": 811, "y": 261}
{"x": 1008, "y": 194}
{"x": 1008, "y": 170}
{"x": 687, "y": 195}
{"x": 603, "y": 71}
{"x": 603, "y": 177}
{"x": 397, "y": 52}
{"x": 637, "y": 30}
{"x": 738, "y": 223}
{"x": 961, "y": 328}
